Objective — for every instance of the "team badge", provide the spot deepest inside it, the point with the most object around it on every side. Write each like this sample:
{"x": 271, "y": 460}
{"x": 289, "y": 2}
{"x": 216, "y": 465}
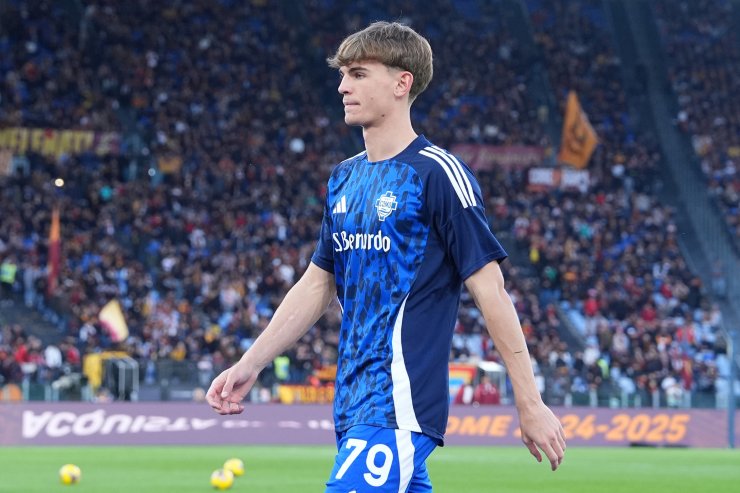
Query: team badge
{"x": 386, "y": 204}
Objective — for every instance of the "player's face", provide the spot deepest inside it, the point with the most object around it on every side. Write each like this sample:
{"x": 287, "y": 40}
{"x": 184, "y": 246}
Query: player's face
{"x": 367, "y": 90}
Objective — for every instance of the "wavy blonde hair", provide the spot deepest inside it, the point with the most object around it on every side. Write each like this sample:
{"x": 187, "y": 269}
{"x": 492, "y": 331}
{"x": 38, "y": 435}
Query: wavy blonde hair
{"x": 394, "y": 45}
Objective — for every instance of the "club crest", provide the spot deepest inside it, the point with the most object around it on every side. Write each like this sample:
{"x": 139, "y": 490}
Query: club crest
{"x": 386, "y": 204}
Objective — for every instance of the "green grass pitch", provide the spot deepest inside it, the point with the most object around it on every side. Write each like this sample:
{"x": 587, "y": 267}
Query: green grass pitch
{"x": 304, "y": 469}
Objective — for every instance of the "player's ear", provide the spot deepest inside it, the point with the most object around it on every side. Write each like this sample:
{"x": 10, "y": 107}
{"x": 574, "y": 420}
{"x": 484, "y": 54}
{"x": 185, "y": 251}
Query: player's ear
{"x": 404, "y": 81}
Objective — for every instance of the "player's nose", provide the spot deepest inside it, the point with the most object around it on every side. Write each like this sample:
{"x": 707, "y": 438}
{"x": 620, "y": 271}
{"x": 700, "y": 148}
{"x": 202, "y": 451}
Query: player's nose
{"x": 343, "y": 86}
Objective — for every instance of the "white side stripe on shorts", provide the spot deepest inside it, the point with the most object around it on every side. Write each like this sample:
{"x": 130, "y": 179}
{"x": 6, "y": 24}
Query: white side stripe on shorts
{"x": 459, "y": 168}
{"x": 446, "y": 167}
{"x": 405, "y": 458}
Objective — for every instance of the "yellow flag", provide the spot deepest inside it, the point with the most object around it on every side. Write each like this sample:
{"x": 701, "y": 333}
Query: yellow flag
{"x": 111, "y": 318}
{"x": 579, "y": 138}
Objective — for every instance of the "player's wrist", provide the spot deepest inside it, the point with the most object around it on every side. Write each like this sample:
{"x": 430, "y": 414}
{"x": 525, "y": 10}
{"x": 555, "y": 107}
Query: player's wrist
{"x": 251, "y": 364}
{"x": 528, "y": 403}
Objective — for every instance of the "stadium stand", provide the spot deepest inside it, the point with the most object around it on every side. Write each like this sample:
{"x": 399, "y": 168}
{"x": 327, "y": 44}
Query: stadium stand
{"x": 701, "y": 48}
{"x": 209, "y": 212}
{"x": 623, "y": 278}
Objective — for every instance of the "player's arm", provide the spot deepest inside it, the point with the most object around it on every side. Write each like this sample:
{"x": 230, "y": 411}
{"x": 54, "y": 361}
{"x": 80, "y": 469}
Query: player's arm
{"x": 301, "y": 308}
{"x": 539, "y": 426}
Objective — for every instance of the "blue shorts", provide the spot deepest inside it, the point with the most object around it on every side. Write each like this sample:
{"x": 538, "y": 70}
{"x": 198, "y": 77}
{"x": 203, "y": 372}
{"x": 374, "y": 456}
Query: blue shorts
{"x": 373, "y": 459}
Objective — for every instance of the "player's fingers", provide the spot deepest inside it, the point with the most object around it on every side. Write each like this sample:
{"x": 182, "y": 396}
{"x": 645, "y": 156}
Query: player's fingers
{"x": 227, "y": 407}
{"x": 533, "y": 449}
{"x": 561, "y": 432}
{"x": 213, "y": 396}
{"x": 561, "y": 441}
{"x": 218, "y": 405}
{"x": 228, "y": 385}
{"x": 559, "y": 450}
{"x": 215, "y": 405}
{"x": 235, "y": 407}
{"x": 551, "y": 455}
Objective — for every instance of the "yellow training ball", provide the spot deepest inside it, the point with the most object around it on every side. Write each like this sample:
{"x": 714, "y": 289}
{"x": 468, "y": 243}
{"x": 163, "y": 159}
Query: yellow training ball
{"x": 222, "y": 479}
{"x": 234, "y": 465}
{"x": 70, "y": 474}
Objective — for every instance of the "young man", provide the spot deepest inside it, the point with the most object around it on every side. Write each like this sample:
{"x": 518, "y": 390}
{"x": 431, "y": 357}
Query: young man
{"x": 403, "y": 229}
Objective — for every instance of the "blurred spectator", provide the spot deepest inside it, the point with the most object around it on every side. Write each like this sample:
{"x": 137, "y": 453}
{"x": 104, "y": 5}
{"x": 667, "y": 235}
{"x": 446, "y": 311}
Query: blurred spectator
{"x": 8, "y": 271}
{"x": 486, "y": 392}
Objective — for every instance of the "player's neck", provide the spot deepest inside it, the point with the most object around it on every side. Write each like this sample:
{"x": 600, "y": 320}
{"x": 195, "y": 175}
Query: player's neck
{"x": 388, "y": 140}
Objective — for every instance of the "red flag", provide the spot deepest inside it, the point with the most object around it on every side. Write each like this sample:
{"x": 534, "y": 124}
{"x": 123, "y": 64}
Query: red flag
{"x": 112, "y": 320}
{"x": 55, "y": 253}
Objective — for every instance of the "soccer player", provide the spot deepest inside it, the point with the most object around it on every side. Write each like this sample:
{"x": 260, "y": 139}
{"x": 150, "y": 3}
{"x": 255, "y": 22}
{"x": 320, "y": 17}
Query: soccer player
{"x": 403, "y": 229}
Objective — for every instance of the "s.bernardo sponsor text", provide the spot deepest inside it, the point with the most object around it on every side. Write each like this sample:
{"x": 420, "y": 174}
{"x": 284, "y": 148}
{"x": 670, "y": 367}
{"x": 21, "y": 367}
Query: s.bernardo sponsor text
{"x": 361, "y": 241}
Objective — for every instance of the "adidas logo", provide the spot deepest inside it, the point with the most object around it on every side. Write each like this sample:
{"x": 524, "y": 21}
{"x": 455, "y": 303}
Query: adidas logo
{"x": 341, "y": 207}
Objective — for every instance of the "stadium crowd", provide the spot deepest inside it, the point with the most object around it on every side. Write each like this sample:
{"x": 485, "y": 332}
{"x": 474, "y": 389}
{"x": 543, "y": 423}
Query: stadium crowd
{"x": 647, "y": 319}
{"x": 701, "y": 47}
{"x": 200, "y": 257}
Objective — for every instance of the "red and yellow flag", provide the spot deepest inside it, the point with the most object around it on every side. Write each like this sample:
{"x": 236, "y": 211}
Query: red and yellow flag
{"x": 111, "y": 318}
{"x": 55, "y": 253}
{"x": 579, "y": 138}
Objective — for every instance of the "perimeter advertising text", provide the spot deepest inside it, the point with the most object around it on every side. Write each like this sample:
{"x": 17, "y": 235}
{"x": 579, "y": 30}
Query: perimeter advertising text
{"x": 188, "y": 423}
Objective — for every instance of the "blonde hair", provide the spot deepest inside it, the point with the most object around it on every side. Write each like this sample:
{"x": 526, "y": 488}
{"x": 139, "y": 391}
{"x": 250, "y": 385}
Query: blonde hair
{"x": 392, "y": 44}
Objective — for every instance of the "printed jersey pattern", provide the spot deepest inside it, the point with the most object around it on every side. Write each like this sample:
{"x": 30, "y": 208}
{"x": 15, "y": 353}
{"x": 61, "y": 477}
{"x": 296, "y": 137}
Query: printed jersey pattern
{"x": 400, "y": 237}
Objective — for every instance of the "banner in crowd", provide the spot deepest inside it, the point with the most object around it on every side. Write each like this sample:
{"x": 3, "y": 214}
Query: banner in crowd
{"x": 485, "y": 157}
{"x": 54, "y": 143}
{"x": 169, "y": 164}
{"x": 177, "y": 423}
{"x": 306, "y": 394}
{"x": 579, "y": 138}
{"x": 542, "y": 179}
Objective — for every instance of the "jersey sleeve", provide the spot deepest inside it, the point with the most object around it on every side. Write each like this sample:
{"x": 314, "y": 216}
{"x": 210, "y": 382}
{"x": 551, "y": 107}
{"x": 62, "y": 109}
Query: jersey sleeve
{"x": 323, "y": 256}
{"x": 457, "y": 214}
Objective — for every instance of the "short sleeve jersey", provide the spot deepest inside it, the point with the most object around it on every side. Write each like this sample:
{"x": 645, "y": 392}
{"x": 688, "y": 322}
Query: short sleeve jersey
{"x": 400, "y": 237}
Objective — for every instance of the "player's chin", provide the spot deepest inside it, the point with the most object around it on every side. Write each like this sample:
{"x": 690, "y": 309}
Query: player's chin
{"x": 353, "y": 120}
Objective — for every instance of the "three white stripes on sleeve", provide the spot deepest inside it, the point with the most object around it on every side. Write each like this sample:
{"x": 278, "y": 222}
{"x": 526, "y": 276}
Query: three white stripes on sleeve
{"x": 455, "y": 172}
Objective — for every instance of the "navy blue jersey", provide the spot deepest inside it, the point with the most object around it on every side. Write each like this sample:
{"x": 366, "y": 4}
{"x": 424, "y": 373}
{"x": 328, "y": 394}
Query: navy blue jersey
{"x": 400, "y": 237}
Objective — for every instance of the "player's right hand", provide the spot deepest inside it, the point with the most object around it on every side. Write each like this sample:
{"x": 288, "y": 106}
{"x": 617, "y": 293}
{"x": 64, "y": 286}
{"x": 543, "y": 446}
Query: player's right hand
{"x": 541, "y": 429}
{"x": 229, "y": 389}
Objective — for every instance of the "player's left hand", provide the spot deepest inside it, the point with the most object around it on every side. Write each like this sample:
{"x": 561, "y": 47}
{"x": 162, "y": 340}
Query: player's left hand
{"x": 541, "y": 430}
